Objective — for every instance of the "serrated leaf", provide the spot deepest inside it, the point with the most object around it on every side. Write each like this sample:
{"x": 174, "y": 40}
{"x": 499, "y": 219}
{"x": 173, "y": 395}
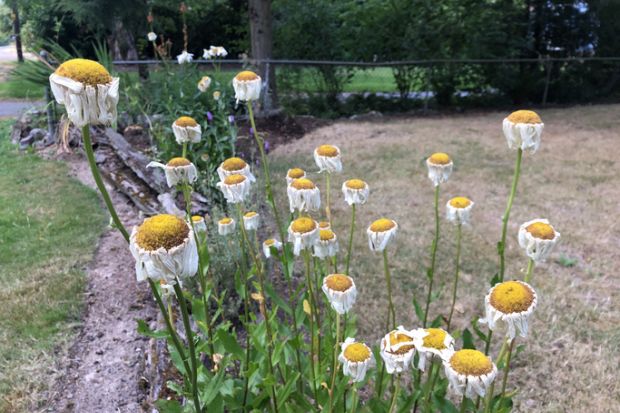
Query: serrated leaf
{"x": 169, "y": 406}
{"x": 145, "y": 330}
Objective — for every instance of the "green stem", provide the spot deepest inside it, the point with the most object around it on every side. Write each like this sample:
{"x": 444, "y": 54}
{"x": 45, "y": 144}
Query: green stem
{"x": 190, "y": 342}
{"x": 335, "y": 364}
{"x": 184, "y": 153}
{"x": 328, "y": 211}
{"x": 388, "y": 280}
{"x": 312, "y": 332}
{"x": 431, "y": 271}
{"x": 463, "y": 408}
{"x": 507, "y": 368}
{"x": 354, "y": 397}
{"x": 506, "y": 216}
{"x": 530, "y": 271}
{"x": 393, "y": 403}
{"x": 432, "y": 379}
{"x": 350, "y": 238}
{"x": 456, "y": 274}
{"x": 90, "y": 155}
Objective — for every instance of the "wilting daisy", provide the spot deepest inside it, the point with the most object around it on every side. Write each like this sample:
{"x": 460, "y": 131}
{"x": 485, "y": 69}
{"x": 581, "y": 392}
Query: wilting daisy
{"x": 327, "y": 158}
{"x": 294, "y": 173}
{"x": 200, "y": 226}
{"x": 512, "y": 302}
{"x": 324, "y": 225}
{"x": 469, "y": 372}
{"x": 214, "y": 51}
{"x": 166, "y": 290}
{"x": 397, "y": 350}
{"x": 355, "y": 191}
{"x": 235, "y": 188}
{"x": 177, "y": 171}
{"x": 538, "y": 238}
{"x": 204, "y": 83}
{"x": 356, "y": 359}
{"x": 439, "y": 167}
{"x": 303, "y": 233}
{"x": 458, "y": 210}
{"x": 271, "y": 243}
{"x": 251, "y": 220}
{"x": 523, "y": 130}
{"x": 233, "y": 166}
{"x": 216, "y": 95}
{"x": 151, "y": 36}
{"x": 186, "y": 129}
{"x": 303, "y": 195}
{"x": 431, "y": 342}
{"x": 327, "y": 245}
{"x": 87, "y": 91}
{"x": 185, "y": 57}
{"x": 164, "y": 249}
{"x": 226, "y": 226}
{"x": 380, "y": 233}
{"x": 340, "y": 291}
{"x": 247, "y": 86}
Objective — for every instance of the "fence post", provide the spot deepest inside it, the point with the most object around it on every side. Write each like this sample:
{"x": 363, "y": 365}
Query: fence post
{"x": 267, "y": 89}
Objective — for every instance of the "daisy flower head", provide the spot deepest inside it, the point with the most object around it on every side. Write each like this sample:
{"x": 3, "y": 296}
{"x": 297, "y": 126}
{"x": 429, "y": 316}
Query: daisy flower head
{"x": 235, "y": 188}
{"x": 523, "y": 129}
{"x": 538, "y": 238}
{"x": 186, "y": 130}
{"x": 380, "y": 233}
{"x": 247, "y": 85}
{"x": 214, "y": 51}
{"x": 513, "y": 303}
{"x": 199, "y": 223}
{"x": 178, "y": 171}
{"x": 164, "y": 248}
{"x": 469, "y": 372}
{"x": 270, "y": 243}
{"x": 458, "y": 210}
{"x": 303, "y": 195}
{"x": 324, "y": 225}
{"x": 340, "y": 291}
{"x": 327, "y": 245}
{"x": 327, "y": 158}
{"x": 185, "y": 57}
{"x": 251, "y": 220}
{"x": 204, "y": 83}
{"x": 356, "y": 359}
{"x": 151, "y": 36}
{"x": 355, "y": 191}
{"x": 431, "y": 342}
{"x": 397, "y": 350}
{"x": 235, "y": 165}
{"x": 303, "y": 233}
{"x": 226, "y": 226}
{"x": 88, "y": 92}
{"x": 439, "y": 167}
{"x": 294, "y": 173}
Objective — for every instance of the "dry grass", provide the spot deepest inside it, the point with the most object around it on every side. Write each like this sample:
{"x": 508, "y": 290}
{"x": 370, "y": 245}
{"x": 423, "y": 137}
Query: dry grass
{"x": 571, "y": 358}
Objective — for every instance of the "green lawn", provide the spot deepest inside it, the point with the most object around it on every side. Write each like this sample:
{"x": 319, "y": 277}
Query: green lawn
{"x": 49, "y": 226}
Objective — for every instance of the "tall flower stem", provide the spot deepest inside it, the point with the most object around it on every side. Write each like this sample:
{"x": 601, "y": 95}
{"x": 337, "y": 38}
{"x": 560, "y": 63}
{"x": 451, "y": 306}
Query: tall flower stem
{"x": 530, "y": 271}
{"x": 501, "y": 248}
{"x": 456, "y": 272}
{"x": 312, "y": 341}
{"x": 296, "y": 327}
{"x": 328, "y": 211}
{"x": 463, "y": 408}
{"x": 335, "y": 365}
{"x": 388, "y": 279}
{"x": 507, "y": 368}
{"x": 393, "y": 403}
{"x": 90, "y": 155}
{"x": 190, "y": 341}
{"x": 350, "y": 239}
{"x": 431, "y": 271}
{"x": 432, "y": 379}
{"x": 354, "y": 398}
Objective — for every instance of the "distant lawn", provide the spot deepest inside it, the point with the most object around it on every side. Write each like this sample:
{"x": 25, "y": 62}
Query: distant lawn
{"x": 13, "y": 88}
{"x": 49, "y": 226}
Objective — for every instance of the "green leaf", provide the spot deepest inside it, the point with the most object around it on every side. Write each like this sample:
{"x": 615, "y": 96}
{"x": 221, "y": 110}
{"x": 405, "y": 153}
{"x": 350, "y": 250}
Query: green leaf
{"x": 495, "y": 279}
{"x": 284, "y": 392}
{"x": 444, "y": 405}
{"x": 468, "y": 340}
{"x": 145, "y": 330}
{"x": 169, "y": 406}
{"x": 230, "y": 343}
{"x": 277, "y": 299}
{"x": 418, "y": 310}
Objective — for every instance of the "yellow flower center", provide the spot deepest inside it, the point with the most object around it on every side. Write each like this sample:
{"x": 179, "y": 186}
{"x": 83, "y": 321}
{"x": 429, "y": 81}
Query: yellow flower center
{"x": 225, "y": 221}
{"x": 233, "y": 164}
{"x": 355, "y": 184}
{"x": 338, "y": 282}
{"x": 524, "y": 116}
{"x": 303, "y": 183}
{"x": 162, "y": 231}
{"x": 541, "y": 230}
{"x": 382, "y": 225}
{"x": 324, "y": 225}
{"x": 303, "y": 225}
{"x": 471, "y": 363}
{"x": 511, "y": 297}
{"x": 398, "y": 337}
{"x": 327, "y": 150}
{"x": 356, "y": 352}
{"x": 178, "y": 162}
{"x": 296, "y": 173}
{"x": 326, "y": 234}
{"x": 269, "y": 242}
{"x": 197, "y": 218}
{"x": 185, "y": 121}
{"x": 246, "y": 76}
{"x": 460, "y": 202}
{"x": 439, "y": 158}
{"x": 84, "y": 71}
{"x": 250, "y": 214}
{"x": 234, "y": 179}
{"x": 435, "y": 339}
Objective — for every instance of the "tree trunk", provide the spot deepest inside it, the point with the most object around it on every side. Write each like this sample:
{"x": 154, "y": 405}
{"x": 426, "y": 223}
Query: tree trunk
{"x": 261, "y": 34}
{"x": 17, "y": 33}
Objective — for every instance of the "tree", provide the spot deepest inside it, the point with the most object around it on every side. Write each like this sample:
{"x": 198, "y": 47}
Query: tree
{"x": 261, "y": 40}
{"x": 17, "y": 31}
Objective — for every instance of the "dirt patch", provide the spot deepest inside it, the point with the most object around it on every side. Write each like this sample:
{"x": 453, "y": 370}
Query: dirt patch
{"x": 103, "y": 371}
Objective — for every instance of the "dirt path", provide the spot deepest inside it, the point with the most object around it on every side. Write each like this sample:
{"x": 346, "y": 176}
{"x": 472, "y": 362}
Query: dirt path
{"x": 103, "y": 371}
